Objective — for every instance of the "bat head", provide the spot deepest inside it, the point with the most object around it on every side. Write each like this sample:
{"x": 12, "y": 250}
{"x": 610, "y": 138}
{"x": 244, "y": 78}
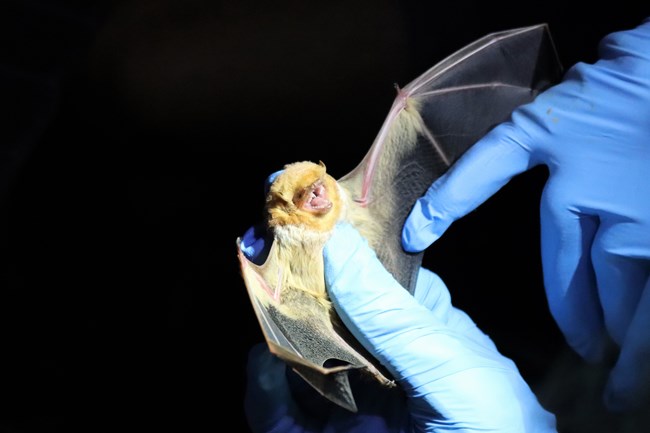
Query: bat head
{"x": 303, "y": 194}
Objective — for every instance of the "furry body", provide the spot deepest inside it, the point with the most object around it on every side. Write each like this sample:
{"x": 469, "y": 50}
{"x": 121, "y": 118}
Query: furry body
{"x": 300, "y": 231}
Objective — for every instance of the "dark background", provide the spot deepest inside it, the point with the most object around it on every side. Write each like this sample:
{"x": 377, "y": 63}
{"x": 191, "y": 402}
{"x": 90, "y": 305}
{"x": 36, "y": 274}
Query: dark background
{"x": 135, "y": 139}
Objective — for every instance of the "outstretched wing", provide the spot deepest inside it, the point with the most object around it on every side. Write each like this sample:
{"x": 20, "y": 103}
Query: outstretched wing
{"x": 435, "y": 119}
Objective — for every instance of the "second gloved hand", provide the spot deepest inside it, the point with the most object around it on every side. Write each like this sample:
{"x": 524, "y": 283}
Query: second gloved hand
{"x": 592, "y": 131}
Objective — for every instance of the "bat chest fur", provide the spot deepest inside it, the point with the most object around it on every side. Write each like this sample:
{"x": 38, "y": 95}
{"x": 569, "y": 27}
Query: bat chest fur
{"x": 299, "y": 253}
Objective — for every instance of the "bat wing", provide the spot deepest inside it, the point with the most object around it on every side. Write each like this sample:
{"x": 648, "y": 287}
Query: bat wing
{"x": 318, "y": 347}
{"x": 435, "y": 119}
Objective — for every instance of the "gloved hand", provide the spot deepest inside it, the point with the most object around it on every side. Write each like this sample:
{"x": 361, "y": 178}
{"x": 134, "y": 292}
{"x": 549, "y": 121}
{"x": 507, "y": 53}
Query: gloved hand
{"x": 593, "y": 132}
{"x": 452, "y": 375}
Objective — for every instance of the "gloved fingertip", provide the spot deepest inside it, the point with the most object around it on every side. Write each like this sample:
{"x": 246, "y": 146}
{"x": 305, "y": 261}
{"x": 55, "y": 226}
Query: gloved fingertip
{"x": 593, "y": 350}
{"x": 270, "y": 179}
{"x": 615, "y": 400}
{"x": 627, "y": 388}
{"x": 416, "y": 239}
{"x": 251, "y": 251}
{"x": 256, "y": 243}
{"x": 422, "y": 227}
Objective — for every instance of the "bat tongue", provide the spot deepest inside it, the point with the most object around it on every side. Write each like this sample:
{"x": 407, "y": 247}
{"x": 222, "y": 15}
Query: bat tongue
{"x": 334, "y": 386}
{"x": 319, "y": 202}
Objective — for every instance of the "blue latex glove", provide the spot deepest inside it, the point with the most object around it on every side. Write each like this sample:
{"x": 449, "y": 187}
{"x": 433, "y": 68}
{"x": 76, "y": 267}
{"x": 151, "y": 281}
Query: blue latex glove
{"x": 453, "y": 377}
{"x": 593, "y": 132}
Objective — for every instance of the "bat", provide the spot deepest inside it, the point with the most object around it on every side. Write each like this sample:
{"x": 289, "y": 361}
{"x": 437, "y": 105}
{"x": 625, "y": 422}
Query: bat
{"x": 434, "y": 119}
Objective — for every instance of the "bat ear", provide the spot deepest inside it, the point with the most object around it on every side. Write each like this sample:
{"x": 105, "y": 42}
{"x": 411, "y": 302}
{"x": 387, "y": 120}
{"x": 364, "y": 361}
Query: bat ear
{"x": 322, "y": 164}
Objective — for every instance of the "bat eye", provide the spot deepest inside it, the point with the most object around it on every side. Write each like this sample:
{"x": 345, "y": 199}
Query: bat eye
{"x": 302, "y": 196}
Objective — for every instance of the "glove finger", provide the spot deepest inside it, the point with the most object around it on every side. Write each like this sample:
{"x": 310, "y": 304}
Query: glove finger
{"x": 255, "y": 244}
{"x": 477, "y": 175}
{"x": 568, "y": 273}
{"x": 620, "y": 280}
{"x": 387, "y": 320}
{"x": 270, "y": 179}
{"x": 268, "y": 403}
{"x": 363, "y": 291}
{"x": 629, "y": 381}
{"x": 432, "y": 293}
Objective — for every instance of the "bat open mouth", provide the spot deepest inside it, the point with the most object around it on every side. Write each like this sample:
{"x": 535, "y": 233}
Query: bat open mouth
{"x": 315, "y": 198}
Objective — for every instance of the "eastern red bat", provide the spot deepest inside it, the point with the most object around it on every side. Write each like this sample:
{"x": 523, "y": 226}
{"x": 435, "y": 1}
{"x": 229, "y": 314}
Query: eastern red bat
{"x": 303, "y": 205}
{"x": 432, "y": 122}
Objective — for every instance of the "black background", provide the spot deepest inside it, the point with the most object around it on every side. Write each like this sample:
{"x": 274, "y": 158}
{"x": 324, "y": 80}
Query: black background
{"x": 135, "y": 139}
